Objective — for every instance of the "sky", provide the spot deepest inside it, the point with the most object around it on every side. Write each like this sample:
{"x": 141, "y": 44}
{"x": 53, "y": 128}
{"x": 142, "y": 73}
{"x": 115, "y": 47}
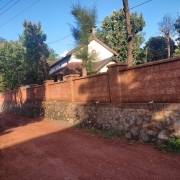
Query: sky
{"x": 55, "y": 17}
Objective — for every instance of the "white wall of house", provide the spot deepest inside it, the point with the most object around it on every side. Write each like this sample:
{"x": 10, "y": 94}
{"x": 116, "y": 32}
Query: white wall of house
{"x": 101, "y": 51}
{"x": 104, "y": 69}
{"x": 74, "y": 59}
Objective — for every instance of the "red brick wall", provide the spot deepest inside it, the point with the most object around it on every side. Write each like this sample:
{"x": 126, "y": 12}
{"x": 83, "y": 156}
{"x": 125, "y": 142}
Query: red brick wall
{"x": 38, "y": 93}
{"x": 58, "y": 91}
{"x": 92, "y": 89}
{"x": 157, "y": 81}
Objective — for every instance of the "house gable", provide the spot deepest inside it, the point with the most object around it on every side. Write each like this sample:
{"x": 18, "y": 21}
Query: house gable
{"x": 95, "y": 46}
{"x": 101, "y": 51}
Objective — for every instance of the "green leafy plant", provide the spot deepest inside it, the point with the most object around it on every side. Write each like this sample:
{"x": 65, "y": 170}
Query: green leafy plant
{"x": 112, "y": 133}
{"x": 93, "y": 131}
{"x": 172, "y": 145}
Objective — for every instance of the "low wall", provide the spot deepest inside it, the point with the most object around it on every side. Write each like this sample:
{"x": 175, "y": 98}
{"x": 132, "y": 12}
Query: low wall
{"x": 146, "y": 122}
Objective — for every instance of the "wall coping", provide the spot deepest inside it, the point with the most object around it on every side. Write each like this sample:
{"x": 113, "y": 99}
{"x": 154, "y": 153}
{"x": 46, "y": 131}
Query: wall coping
{"x": 89, "y": 76}
{"x": 59, "y": 82}
{"x": 162, "y": 61}
{"x": 117, "y": 64}
{"x": 72, "y": 75}
{"x": 37, "y": 86}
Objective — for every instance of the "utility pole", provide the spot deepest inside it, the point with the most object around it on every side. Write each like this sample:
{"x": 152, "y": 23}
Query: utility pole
{"x": 128, "y": 34}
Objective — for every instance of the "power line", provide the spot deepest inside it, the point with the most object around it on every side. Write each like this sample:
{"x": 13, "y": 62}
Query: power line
{"x": 20, "y": 13}
{"x": 69, "y": 34}
{"x": 9, "y": 7}
{"x": 59, "y": 39}
{"x": 98, "y": 22}
{"x": 6, "y": 4}
{"x": 134, "y": 7}
{"x": 140, "y": 4}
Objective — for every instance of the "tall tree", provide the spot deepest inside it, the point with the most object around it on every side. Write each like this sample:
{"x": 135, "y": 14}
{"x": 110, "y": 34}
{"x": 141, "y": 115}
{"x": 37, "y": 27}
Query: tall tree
{"x": 113, "y": 33}
{"x": 36, "y": 49}
{"x": 156, "y": 48}
{"x": 166, "y": 26}
{"x": 82, "y": 31}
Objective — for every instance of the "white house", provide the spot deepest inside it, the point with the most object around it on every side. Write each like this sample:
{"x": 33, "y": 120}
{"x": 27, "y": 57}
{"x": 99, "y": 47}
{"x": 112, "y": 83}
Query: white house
{"x": 71, "y": 65}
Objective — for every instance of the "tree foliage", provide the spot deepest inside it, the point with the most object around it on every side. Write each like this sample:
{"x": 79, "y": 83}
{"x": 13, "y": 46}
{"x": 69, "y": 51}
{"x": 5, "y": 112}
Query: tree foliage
{"x": 21, "y": 61}
{"x": 12, "y": 65}
{"x": 156, "y": 48}
{"x": 113, "y": 33}
{"x": 33, "y": 40}
{"x": 52, "y": 55}
{"x": 177, "y": 51}
{"x": 85, "y": 20}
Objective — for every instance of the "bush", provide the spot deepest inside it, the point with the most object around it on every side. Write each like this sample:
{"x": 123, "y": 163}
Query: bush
{"x": 172, "y": 145}
{"x": 112, "y": 133}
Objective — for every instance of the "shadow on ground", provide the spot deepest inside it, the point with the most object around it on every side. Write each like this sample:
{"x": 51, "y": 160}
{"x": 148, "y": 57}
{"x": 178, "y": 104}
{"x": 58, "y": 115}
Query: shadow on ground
{"x": 49, "y": 151}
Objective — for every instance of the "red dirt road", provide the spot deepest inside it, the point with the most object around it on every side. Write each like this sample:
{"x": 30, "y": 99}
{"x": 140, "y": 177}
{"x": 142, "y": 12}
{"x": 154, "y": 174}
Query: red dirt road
{"x": 45, "y": 150}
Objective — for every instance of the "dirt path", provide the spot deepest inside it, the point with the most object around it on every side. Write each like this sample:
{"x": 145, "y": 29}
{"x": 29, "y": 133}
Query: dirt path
{"x": 35, "y": 150}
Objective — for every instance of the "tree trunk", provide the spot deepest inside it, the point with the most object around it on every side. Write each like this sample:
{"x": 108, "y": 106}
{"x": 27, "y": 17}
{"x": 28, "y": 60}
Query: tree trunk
{"x": 84, "y": 71}
{"x": 129, "y": 34}
{"x": 168, "y": 48}
{"x": 44, "y": 67}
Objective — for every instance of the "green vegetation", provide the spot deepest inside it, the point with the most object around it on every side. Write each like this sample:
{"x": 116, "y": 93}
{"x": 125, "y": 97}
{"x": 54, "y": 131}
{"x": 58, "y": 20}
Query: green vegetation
{"x": 172, "y": 145}
{"x": 33, "y": 40}
{"x": 82, "y": 32}
{"x": 156, "y": 48}
{"x": 113, "y": 33}
{"x": 23, "y": 62}
{"x": 93, "y": 131}
{"x": 112, "y": 133}
{"x": 12, "y": 64}
{"x": 105, "y": 133}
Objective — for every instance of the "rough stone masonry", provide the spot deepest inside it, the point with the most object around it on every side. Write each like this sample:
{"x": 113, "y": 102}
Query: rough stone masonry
{"x": 148, "y": 123}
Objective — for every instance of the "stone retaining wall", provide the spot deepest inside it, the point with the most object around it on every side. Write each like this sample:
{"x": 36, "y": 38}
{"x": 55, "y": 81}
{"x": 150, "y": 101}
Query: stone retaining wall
{"x": 146, "y": 122}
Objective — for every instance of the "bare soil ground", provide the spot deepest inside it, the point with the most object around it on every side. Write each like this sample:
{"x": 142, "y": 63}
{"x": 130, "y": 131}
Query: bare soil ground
{"x": 35, "y": 150}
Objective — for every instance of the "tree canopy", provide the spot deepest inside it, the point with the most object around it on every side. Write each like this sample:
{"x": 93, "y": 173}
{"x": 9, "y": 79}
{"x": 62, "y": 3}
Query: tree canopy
{"x": 12, "y": 65}
{"x": 21, "y": 61}
{"x": 33, "y": 40}
{"x": 156, "y": 48}
{"x": 113, "y": 33}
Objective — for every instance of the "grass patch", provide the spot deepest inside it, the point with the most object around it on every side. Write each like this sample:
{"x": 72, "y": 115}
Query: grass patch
{"x": 112, "y": 133}
{"x": 93, "y": 131}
